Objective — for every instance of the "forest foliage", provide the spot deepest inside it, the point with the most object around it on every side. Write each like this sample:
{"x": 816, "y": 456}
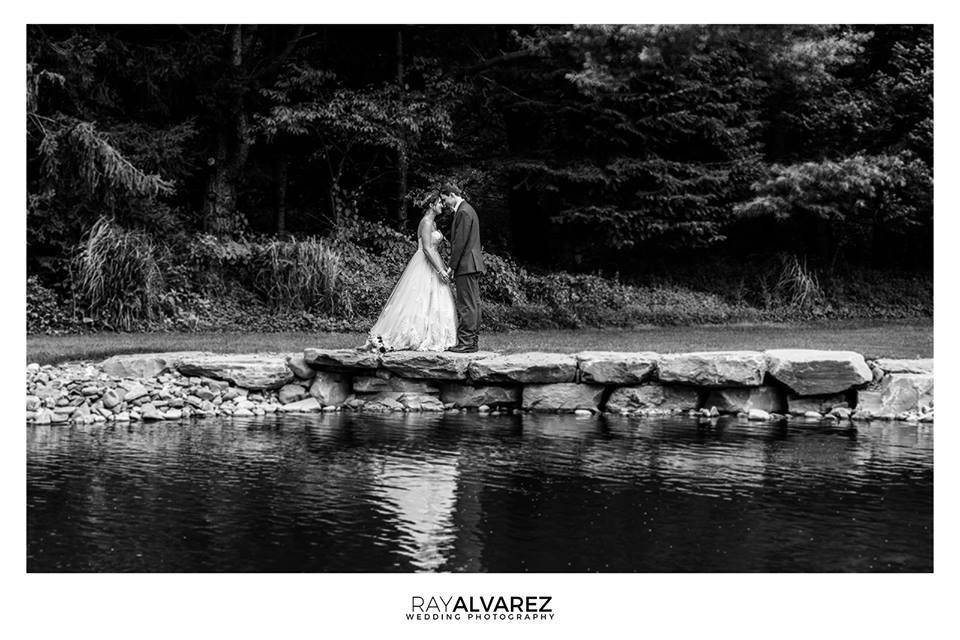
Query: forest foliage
{"x": 181, "y": 174}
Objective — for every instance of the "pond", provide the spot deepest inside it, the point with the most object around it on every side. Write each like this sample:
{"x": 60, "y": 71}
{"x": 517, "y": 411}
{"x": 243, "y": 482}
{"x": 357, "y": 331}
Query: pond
{"x": 460, "y": 492}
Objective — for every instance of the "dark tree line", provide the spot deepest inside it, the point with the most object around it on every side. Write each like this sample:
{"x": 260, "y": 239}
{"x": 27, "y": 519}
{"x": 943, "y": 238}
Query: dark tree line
{"x": 588, "y": 147}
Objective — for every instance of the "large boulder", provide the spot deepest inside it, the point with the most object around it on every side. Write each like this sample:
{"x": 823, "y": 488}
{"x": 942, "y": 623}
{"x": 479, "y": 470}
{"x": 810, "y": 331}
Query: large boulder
{"x": 893, "y": 365}
{"x": 373, "y": 384}
{"x": 653, "y": 396}
{"x": 463, "y": 395}
{"x": 740, "y": 399}
{"x": 249, "y": 371}
{"x": 562, "y": 396}
{"x": 330, "y": 388}
{"x": 809, "y": 372}
{"x": 713, "y": 368}
{"x": 526, "y": 368}
{"x": 899, "y": 393}
{"x": 343, "y": 360}
{"x": 144, "y": 365}
{"x": 431, "y": 365}
{"x": 615, "y": 367}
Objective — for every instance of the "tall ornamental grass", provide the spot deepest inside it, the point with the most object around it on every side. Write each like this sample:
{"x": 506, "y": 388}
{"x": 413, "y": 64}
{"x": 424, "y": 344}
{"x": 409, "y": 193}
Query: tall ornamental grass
{"x": 117, "y": 275}
{"x": 301, "y": 275}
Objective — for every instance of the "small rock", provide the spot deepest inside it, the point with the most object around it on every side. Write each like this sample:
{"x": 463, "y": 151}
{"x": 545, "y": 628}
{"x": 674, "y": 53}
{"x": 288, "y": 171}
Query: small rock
{"x": 135, "y": 392}
{"x": 44, "y": 416}
{"x": 230, "y": 393}
{"x": 813, "y": 414}
{"x": 291, "y": 393}
{"x": 194, "y": 402}
{"x": 204, "y": 393}
{"x": 90, "y": 391}
{"x": 243, "y": 413}
{"x": 758, "y": 414}
{"x": 483, "y": 409}
{"x": 33, "y": 403}
{"x": 582, "y": 412}
{"x": 123, "y": 416}
{"x": 33, "y": 367}
{"x": 150, "y": 412}
{"x": 172, "y": 414}
{"x": 300, "y": 367}
{"x": 307, "y": 405}
{"x": 841, "y": 413}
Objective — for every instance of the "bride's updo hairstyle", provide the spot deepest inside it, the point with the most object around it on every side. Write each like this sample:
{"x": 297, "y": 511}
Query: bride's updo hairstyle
{"x": 428, "y": 199}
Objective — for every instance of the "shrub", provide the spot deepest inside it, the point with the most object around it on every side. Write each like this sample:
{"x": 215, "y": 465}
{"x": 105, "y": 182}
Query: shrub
{"x": 503, "y": 281}
{"x": 45, "y": 311}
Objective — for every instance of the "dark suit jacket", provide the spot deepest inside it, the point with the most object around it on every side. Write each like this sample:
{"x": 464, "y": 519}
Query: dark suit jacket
{"x": 465, "y": 241}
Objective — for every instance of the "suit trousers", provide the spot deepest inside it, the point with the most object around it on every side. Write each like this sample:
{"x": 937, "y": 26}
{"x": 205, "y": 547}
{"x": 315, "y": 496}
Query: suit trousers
{"x": 468, "y": 308}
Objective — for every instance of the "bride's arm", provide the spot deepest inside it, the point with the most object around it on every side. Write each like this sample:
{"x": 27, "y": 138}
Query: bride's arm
{"x": 428, "y": 250}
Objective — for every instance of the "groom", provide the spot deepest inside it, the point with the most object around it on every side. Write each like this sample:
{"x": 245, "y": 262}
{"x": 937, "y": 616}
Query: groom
{"x": 466, "y": 265}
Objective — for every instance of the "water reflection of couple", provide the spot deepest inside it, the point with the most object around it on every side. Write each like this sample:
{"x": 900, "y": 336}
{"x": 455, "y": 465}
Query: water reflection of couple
{"x": 421, "y": 313}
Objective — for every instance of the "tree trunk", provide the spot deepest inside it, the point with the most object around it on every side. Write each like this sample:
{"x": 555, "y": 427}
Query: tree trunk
{"x": 280, "y": 178}
{"x": 402, "y": 164}
{"x": 233, "y": 145}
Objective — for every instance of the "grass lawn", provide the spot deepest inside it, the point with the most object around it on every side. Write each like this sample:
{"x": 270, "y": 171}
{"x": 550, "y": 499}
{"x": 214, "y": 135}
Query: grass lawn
{"x": 912, "y": 339}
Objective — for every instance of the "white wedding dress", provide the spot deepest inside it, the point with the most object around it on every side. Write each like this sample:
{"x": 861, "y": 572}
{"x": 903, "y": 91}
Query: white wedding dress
{"x": 420, "y": 314}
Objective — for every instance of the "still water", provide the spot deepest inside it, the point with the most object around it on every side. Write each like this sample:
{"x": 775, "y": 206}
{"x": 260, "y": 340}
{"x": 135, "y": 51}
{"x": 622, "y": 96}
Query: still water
{"x": 456, "y": 492}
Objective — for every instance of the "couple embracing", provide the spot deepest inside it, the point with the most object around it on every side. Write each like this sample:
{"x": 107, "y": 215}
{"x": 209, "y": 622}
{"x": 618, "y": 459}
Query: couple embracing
{"x": 422, "y": 313}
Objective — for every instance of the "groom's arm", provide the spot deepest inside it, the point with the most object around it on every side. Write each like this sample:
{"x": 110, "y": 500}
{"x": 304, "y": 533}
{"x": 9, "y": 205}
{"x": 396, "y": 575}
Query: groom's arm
{"x": 458, "y": 240}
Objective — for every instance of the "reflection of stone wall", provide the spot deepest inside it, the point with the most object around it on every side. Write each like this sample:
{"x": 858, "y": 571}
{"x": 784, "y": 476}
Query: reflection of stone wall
{"x": 803, "y": 383}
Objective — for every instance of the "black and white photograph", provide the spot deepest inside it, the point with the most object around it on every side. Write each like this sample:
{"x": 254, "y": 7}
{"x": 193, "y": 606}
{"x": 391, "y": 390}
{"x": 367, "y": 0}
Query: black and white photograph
{"x": 479, "y": 298}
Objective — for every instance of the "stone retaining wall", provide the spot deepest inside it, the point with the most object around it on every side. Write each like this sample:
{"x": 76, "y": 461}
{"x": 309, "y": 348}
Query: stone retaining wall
{"x": 809, "y": 385}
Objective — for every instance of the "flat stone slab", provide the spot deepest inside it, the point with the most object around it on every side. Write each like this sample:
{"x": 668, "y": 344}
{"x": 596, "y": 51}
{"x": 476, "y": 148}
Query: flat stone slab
{"x": 562, "y": 396}
{"x": 810, "y": 372}
{"x": 653, "y": 396}
{"x": 250, "y": 371}
{"x": 344, "y": 360}
{"x": 615, "y": 367}
{"x": 745, "y": 399}
{"x": 893, "y": 365}
{"x": 713, "y": 368}
{"x": 431, "y": 365}
{"x": 145, "y": 365}
{"x": 526, "y": 368}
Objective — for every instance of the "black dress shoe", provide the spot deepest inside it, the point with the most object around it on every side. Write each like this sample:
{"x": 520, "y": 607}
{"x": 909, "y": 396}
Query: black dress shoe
{"x": 457, "y": 348}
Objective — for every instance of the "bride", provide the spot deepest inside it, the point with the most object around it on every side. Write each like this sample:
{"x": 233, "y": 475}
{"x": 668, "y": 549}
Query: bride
{"x": 420, "y": 314}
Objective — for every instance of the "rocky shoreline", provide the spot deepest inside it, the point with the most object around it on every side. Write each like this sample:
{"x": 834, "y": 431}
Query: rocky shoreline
{"x": 780, "y": 384}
